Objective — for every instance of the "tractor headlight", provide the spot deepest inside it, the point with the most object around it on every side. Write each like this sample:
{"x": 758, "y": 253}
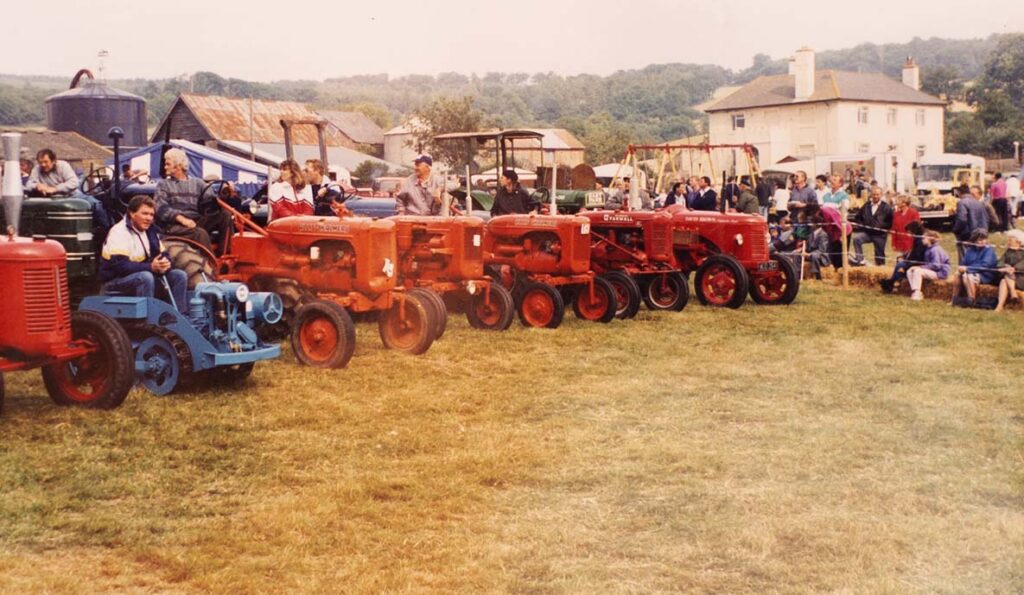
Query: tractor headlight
{"x": 471, "y": 287}
{"x": 739, "y": 239}
{"x": 242, "y": 293}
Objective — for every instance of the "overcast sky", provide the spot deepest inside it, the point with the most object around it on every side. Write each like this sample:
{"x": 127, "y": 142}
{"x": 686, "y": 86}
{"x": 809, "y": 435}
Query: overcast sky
{"x": 317, "y": 39}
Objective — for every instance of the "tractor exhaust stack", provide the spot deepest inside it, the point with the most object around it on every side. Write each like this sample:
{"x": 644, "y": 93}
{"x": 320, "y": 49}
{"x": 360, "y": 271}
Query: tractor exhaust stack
{"x": 13, "y": 193}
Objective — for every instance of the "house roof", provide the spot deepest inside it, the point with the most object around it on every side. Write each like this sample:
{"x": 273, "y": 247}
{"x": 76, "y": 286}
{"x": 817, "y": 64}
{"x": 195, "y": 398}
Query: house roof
{"x": 227, "y": 118}
{"x": 69, "y": 146}
{"x": 357, "y": 126}
{"x": 829, "y": 85}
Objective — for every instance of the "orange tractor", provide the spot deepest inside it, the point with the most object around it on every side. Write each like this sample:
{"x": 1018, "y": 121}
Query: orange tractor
{"x": 543, "y": 259}
{"x": 324, "y": 268}
{"x": 546, "y": 261}
{"x": 633, "y": 251}
{"x": 445, "y": 255}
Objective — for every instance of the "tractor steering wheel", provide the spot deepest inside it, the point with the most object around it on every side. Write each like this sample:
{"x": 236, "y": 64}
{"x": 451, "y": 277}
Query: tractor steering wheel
{"x": 208, "y": 204}
{"x": 97, "y": 183}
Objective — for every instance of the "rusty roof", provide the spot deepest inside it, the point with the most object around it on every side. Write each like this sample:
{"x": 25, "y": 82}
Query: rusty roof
{"x": 829, "y": 85}
{"x": 69, "y": 146}
{"x": 357, "y": 126}
{"x": 227, "y": 118}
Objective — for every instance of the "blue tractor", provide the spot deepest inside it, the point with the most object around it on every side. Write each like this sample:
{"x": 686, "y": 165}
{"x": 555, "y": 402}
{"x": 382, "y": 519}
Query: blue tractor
{"x": 218, "y": 339}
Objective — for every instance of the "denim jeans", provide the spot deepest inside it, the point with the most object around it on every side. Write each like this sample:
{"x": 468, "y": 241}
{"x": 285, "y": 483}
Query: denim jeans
{"x": 860, "y": 238}
{"x": 144, "y": 284}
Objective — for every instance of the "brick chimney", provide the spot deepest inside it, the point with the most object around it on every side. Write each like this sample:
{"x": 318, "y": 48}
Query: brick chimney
{"x": 912, "y": 74}
{"x": 803, "y": 72}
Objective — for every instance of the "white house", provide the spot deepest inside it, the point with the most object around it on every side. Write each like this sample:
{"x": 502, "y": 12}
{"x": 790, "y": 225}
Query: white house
{"x": 808, "y": 113}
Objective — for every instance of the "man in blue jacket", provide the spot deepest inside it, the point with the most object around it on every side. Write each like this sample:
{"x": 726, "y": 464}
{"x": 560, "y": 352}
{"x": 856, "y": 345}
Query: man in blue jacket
{"x": 134, "y": 258}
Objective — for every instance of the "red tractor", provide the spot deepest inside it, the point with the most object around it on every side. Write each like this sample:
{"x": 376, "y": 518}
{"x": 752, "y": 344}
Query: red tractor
{"x": 445, "y": 255}
{"x": 324, "y": 268}
{"x": 86, "y": 357}
{"x": 728, "y": 253}
{"x": 546, "y": 261}
{"x": 633, "y": 251}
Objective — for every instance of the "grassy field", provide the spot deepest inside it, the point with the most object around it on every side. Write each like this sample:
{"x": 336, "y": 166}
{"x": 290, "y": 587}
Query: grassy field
{"x": 851, "y": 442}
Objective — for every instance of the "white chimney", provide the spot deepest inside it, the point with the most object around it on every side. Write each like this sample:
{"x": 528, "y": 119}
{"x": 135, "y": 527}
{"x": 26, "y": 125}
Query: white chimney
{"x": 803, "y": 72}
{"x": 912, "y": 74}
{"x": 792, "y": 66}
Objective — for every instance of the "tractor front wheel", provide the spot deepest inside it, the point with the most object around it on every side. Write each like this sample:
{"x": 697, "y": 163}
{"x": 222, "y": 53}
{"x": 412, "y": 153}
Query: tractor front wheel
{"x": 102, "y": 378}
{"x": 666, "y": 291}
{"x": 600, "y": 308}
{"x": 541, "y": 306}
{"x": 776, "y": 287}
{"x": 323, "y": 335}
{"x": 493, "y": 313}
{"x": 434, "y": 300}
{"x": 627, "y": 293}
{"x": 721, "y": 281}
{"x": 408, "y": 325}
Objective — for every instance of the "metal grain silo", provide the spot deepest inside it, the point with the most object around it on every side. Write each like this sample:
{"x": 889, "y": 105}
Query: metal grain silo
{"x": 93, "y": 108}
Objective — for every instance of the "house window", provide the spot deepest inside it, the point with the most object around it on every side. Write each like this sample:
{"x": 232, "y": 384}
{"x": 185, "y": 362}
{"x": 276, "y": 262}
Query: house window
{"x": 919, "y": 117}
{"x": 921, "y": 150}
{"x": 805, "y": 150}
{"x": 738, "y": 121}
{"x": 862, "y": 115}
{"x": 863, "y": 148}
{"x": 890, "y": 116}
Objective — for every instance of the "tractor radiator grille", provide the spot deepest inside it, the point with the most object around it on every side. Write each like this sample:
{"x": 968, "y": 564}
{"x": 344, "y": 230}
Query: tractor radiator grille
{"x": 661, "y": 241}
{"x": 758, "y": 243}
{"x": 47, "y": 303}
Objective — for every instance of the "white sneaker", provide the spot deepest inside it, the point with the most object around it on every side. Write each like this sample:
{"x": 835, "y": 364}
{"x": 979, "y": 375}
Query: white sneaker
{"x": 917, "y": 296}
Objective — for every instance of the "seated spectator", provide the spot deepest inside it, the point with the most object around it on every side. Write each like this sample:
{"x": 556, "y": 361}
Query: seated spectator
{"x": 912, "y": 257}
{"x": 834, "y": 224}
{"x": 784, "y": 240}
{"x": 290, "y": 195}
{"x": 935, "y": 266}
{"x": 134, "y": 258}
{"x": 817, "y": 246}
{"x": 1011, "y": 265}
{"x": 875, "y": 219}
{"x": 978, "y": 266}
{"x": 324, "y": 191}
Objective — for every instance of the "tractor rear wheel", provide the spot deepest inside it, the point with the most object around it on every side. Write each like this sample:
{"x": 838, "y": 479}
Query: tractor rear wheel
{"x": 493, "y": 314}
{"x": 408, "y": 325}
{"x": 666, "y": 291}
{"x": 193, "y": 260}
{"x": 777, "y": 287}
{"x": 627, "y": 293}
{"x": 541, "y": 306}
{"x": 323, "y": 335}
{"x": 434, "y": 300}
{"x": 100, "y": 379}
{"x": 721, "y": 281}
{"x": 599, "y": 309}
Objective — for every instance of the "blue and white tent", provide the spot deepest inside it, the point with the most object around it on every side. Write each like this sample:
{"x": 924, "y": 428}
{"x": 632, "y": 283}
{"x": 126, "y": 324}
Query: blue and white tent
{"x": 248, "y": 176}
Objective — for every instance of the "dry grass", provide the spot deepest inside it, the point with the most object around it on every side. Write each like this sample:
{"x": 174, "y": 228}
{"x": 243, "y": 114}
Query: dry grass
{"x": 851, "y": 442}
